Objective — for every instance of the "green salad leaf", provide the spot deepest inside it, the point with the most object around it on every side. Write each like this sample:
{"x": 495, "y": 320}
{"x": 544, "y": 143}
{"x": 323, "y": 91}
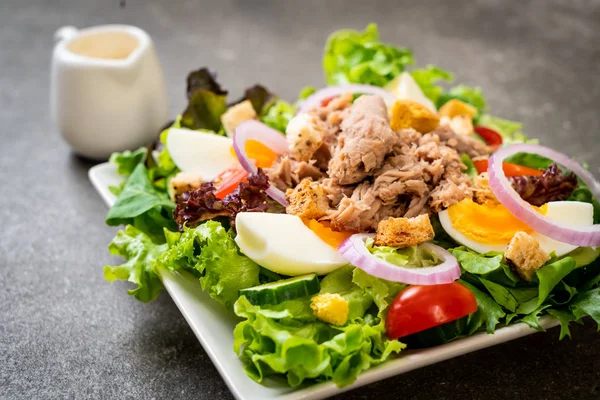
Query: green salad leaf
{"x": 278, "y": 115}
{"x": 511, "y": 131}
{"x": 141, "y": 255}
{"x": 287, "y": 339}
{"x": 360, "y": 57}
{"x": 489, "y": 313}
{"x": 341, "y": 282}
{"x": 211, "y": 250}
{"x": 207, "y": 101}
{"x": 552, "y": 274}
{"x": 467, "y": 94}
{"x": 428, "y": 79}
{"x": 382, "y": 291}
{"x": 413, "y": 256}
{"x": 128, "y": 160}
{"x": 143, "y": 206}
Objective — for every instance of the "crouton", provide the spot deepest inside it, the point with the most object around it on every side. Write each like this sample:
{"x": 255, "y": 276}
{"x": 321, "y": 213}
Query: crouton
{"x": 331, "y": 308}
{"x": 236, "y": 115}
{"x": 404, "y": 232}
{"x": 305, "y": 135}
{"x": 307, "y": 200}
{"x": 456, "y": 107}
{"x": 410, "y": 114}
{"x": 183, "y": 182}
{"x": 524, "y": 255}
{"x": 482, "y": 190}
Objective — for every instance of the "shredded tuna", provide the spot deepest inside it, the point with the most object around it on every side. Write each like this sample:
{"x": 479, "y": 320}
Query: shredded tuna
{"x": 375, "y": 173}
{"x": 287, "y": 173}
{"x": 461, "y": 143}
{"x": 365, "y": 139}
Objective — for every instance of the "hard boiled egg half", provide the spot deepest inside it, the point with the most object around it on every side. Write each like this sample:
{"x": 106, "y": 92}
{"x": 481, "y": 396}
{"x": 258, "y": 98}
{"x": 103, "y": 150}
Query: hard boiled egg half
{"x": 404, "y": 87}
{"x": 284, "y": 244}
{"x": 202, "y": 153}
{"x": 490, "y": 226}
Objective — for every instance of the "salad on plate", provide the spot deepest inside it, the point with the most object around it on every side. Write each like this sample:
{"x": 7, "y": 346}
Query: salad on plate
{"x": 386, "y": 211}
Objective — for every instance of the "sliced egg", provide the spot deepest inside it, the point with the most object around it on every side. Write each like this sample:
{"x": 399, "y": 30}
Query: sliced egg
{"x": 202, "y": 153}
{"x": 490, "y": 227}
{"x": 404, "y": 87}
{"x": 283, "y": 244}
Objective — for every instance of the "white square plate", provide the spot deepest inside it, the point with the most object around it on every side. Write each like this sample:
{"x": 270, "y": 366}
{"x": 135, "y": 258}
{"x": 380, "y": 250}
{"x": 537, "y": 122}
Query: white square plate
{"x": 214, "y": 328}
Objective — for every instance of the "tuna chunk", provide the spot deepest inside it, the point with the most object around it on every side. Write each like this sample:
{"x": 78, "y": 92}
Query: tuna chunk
{"x": 461, "y": 143}
{"x": 365, "y": 140}
{"x": 287, "y": 173}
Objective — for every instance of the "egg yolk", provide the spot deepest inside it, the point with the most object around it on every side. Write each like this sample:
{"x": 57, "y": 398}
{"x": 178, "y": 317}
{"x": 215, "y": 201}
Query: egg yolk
{"x": 261, "y": 154}
{"x": 487, "y": 223}
{"x": 328, "y": 235}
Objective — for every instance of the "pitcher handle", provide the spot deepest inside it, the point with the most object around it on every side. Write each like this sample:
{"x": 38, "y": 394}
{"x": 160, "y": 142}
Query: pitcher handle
{"x": 65, "y": 33}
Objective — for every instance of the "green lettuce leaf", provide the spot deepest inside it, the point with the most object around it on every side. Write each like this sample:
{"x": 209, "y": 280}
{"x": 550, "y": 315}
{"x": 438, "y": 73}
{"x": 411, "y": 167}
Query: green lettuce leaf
{"x": 271, "y": 343}
{"x": 211, "y": 250}
{"x": 141, "y": 255}
{"x": 471, "y": 169}
{"x": 489, "y": 313}
{"x": 207, "y": 101}
{"x": 587, "y": 304}
{"x": 414, "y": 256}
{"x": 360, "y": 57}
{"x": 467, "y": 94}
{"x": 278, "y": 115}
{"x": 143, "y": 206}
{"x": 340, "y": 281}
{"x": 511, "y": 131}
{"x": 382, "y": 291}
{"x": 552, "y": 274}
{"x": 428, "y": 79}
{"x": 565, "y": 318}
{"x": 128, "y": 160}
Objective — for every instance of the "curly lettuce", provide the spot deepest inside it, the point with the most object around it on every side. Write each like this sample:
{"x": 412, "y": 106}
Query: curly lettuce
{"x": 210, "y": 250}
{"x": 287, "y": 339}
{"x": 360, "y": 57}
{"x": 141, "y": 255}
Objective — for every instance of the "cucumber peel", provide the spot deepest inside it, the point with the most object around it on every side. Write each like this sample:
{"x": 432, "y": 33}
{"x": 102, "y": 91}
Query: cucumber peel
{"x": 280, "y": 291}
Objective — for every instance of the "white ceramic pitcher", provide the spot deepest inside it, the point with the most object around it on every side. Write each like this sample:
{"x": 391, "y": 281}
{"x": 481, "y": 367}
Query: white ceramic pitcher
{"x": 102, "y": 105}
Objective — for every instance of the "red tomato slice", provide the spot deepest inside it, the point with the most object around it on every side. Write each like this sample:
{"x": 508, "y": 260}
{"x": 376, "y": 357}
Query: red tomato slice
{"x": 228, "y": 181}
{"x": 418, "y": 308}
{"x": 491, "y": 137}
{"x": 509, "y": 169}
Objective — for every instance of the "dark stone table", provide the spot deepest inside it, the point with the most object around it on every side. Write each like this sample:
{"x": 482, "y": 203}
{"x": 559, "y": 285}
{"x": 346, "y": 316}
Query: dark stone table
{"x": 66, "y": 333}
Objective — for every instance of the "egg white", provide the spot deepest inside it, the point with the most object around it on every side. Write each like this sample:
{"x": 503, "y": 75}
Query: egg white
{"x": 283, "y": 244}
{"x": 404, "y": 87}
{"x": 202, "y": 153}
{"x": 572, "y": 213}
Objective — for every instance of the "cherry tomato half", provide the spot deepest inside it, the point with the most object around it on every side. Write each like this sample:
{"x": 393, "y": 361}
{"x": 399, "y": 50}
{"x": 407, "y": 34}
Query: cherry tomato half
{"x": 509, "y": 169}
{"x": 418, "y": 308}
{"x": 227, "y": 181}
{"x": 491, "y": 137}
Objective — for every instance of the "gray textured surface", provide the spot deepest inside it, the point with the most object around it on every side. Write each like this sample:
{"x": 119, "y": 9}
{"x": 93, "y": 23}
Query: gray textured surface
{"x": 66, "y": 333}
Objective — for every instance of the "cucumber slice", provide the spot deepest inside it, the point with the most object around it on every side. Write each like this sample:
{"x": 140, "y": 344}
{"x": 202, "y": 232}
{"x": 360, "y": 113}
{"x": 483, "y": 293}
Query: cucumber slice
{"x": 280, "y": 291}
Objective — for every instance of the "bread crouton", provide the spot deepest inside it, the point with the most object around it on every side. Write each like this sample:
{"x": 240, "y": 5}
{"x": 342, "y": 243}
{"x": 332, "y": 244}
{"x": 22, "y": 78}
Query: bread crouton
{"x": 307, "y": 200}
{"x": 456, "y": 107}
{"x": 482, "y": 190}
{"x": 404, "y": 232}
{"x": 236, "y": 115}
{"x": 525, "y": 256}
{"x": 183, "y": 182}
{"x": 410, "y": 114}
{"x": 305, "y": 135}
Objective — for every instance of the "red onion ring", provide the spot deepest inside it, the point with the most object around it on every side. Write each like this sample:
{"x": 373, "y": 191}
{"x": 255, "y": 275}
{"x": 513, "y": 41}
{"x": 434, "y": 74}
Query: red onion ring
{"x": 255, "y": 130}
{"x": 506, "y": 194}
{"x": 354, "y": 250}
{"x": 315, "y": 99}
